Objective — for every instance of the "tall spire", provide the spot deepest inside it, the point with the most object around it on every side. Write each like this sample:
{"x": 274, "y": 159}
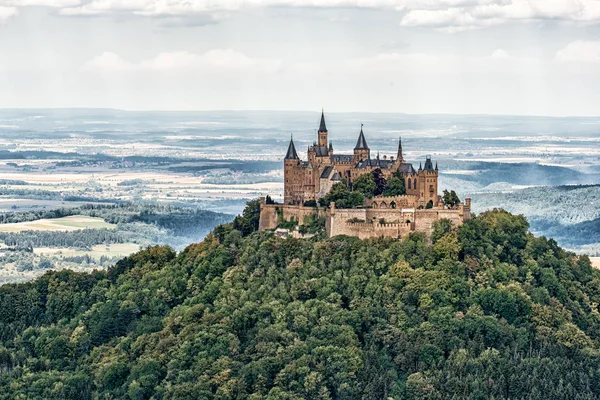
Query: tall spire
{"x": 361, "y": 143}
{"x": 400, "y": 155}
{"x": 291, "y": 151}
{"x": 322, "y": 127}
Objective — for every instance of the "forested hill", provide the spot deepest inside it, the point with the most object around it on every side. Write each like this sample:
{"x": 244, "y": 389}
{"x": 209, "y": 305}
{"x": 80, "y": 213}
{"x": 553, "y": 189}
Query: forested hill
{"x": 486, "y": 311}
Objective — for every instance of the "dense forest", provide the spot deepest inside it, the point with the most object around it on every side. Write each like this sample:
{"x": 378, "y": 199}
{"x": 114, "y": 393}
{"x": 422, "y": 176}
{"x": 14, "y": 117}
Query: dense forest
{"x": 485, "y": 310}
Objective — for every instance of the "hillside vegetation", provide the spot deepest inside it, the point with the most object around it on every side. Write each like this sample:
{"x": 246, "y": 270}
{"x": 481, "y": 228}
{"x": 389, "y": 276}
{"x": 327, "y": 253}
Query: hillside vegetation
{"x": 485, "y": 311}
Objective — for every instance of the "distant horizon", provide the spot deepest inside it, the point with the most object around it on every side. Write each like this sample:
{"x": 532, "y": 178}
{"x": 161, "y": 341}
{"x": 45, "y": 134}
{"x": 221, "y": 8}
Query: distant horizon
{"x": 318, "y": 111}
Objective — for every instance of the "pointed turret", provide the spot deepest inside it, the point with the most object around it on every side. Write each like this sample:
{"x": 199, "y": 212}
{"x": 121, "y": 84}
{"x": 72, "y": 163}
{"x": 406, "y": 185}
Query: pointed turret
{"x": 322, "y": 133}
{"x": 361, "y": 143}
{"x": 436, "y": 168}
{"x": 322, "y": 127}
{"x": 428, "y": 164}
{"x": 400, "y": 158}
{"x": 291, "y": 151}
{"x": 420, "y": 166}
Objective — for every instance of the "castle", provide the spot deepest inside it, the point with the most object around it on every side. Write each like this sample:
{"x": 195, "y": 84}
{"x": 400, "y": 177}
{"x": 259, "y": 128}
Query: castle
{"x": 307, "y": 182}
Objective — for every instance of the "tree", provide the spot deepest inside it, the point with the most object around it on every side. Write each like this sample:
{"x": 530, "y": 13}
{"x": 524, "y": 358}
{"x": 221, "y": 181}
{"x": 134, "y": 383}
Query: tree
{"x": 342, "y": 197}
{"x": 395, "y": 185}
{"x": 380, "y": 182}
{"x": 451, "y": 198}
{"x": 250, "y": 218}
{"x": 440, "y": 228}
{"x": 365, "y": 185}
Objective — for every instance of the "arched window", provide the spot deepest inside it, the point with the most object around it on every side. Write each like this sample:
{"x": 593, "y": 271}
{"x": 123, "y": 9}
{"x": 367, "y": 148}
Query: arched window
{"x": 409, "y": 183}
{"x": 393, "y": 204}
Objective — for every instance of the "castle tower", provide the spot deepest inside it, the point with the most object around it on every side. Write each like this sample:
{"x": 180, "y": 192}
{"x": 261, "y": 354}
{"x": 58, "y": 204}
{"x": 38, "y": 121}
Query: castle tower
{"x": 428, "y": 182}
{"x": 291, "y": 175}
{"x": 323, "y": 141}
{"x": 361, "y": 150}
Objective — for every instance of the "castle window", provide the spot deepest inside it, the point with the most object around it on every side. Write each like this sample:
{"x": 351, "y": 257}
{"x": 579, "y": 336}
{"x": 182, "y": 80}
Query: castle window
{"x": 409, "y": 183}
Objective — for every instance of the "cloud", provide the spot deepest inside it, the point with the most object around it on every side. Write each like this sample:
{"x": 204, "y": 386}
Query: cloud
{"x": 216, "y": 60}
{"x": 7, "y": 12}
{"x": 476, "y": 16}
{"x": 445, "y": 15}
{"x": 580, "y": 50}
{"x": 499, "y": 53}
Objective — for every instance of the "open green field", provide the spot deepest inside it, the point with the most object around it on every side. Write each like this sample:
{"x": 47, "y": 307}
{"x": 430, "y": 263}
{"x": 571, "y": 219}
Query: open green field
{"x": 71, "y": 223}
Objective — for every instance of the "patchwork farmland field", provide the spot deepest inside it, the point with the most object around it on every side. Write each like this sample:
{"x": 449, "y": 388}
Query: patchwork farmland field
{"x": 71, "y": 223}
{"x": 97, "y": 251}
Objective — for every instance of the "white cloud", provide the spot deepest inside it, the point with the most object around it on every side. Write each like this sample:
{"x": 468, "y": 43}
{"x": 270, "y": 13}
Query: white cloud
{"x": 449, "y": 15}
{"x": 481, "y": 15}
{"x": 217, "y": 60}
{"x": 7, "y": 12}
{"x": 499, "y": 53}
{"x": 581, "y": 50}
{"x": 107, "y": 61}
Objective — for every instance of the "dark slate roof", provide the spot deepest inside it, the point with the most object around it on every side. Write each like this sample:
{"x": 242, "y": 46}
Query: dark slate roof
{"x": 336, "y": 176}
{"x": 342, "y": 158}
{"x": 326, "y": 171}
{"x": 361, "y": 143}
{"x": 291, "y": 152}
{"x": 377, "y": 162}
{"x": 364, "y": 163}
{"x": 428, "y": 165}
{"x": 385, "y": 164}
{"x": 407, "y": 168}
{"x": 321, "y": 151}
{"x": 322, "y": 127}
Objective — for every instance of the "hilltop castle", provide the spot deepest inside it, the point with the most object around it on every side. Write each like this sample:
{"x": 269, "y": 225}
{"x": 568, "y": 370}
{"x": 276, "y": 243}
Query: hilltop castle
{"x": 306, "y": 182}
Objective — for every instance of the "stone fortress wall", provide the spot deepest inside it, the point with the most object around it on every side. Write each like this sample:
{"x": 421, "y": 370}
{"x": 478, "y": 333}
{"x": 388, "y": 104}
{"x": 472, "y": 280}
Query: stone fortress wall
{"x": 272, "y": 215}
{"x": 366, "y": 222}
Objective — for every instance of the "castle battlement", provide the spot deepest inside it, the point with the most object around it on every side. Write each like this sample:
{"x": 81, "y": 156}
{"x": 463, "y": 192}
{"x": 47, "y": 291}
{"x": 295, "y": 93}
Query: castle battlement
{"x": 306, "y": 182}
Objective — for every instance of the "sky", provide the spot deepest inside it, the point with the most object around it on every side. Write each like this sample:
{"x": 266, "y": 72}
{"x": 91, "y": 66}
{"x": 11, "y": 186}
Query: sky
{"x": 522, "y": 57}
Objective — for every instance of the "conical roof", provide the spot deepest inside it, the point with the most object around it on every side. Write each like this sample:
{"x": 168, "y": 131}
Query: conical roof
{"x": 322, "y": 127}
{"x": 361, "y": 143}
{"x": 428, "y": 165}
{"x": 291, "y": 151}
{"x": 400, "y": 155}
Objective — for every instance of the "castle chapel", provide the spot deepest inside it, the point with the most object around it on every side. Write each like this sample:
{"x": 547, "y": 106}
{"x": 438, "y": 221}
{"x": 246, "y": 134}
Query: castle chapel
{"x": 312, "y": 179}
{"x": 306, "y": 182}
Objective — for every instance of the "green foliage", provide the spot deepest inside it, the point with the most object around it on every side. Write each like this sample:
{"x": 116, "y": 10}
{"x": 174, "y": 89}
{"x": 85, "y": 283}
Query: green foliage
{"x": 365, "y": 185}
{"x": 485, "y": 311}
{"x": 450, "y": 198}
{"x": 269, "y": 200}
{"x": 371, "y": 184}
{"x": 395, "y": 185}
{"x": 342, "y": 197}
{"x": 312, "y": 224}
{"x": 250, "y": 218}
